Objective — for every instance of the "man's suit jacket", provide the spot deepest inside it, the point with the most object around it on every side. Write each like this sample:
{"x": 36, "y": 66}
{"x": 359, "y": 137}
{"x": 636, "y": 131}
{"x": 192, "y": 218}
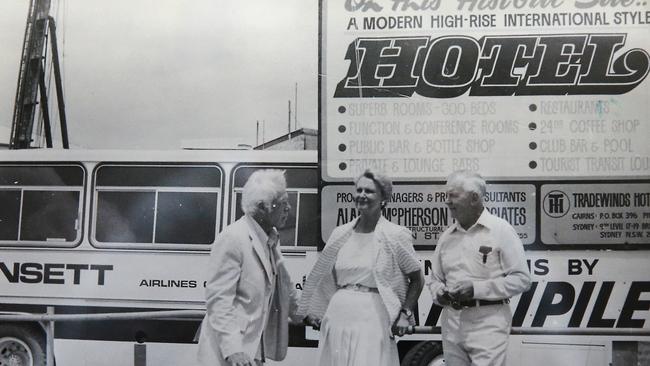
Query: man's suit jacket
{"x": 238, "y": 292}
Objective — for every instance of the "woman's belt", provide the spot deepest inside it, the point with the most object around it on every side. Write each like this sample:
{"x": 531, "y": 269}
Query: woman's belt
{"x": 358, "y": 287}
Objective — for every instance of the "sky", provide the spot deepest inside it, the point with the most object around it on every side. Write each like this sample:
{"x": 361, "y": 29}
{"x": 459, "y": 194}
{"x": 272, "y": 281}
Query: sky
{"x": 162, "y": 74}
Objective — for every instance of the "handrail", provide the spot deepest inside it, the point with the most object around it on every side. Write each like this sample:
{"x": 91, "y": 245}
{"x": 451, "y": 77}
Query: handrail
{"x": 552, "y": 331}
{"x": 198, "y": 314}
{"x": 50, "y": 318}
{"x": 181, "y": 314}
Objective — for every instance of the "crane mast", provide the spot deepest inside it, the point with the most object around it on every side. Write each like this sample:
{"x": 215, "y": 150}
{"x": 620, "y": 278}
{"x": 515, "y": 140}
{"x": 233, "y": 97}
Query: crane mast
{"x": 31, "y": 88}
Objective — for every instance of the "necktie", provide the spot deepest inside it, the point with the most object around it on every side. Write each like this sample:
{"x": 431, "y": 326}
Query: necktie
{"x": 272, "y": 242}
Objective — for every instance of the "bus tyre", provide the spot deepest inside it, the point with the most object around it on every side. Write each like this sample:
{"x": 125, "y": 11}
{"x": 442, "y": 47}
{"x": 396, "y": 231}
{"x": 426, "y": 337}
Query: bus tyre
{"x": 21, "y": 346}
{"x": 424, "y": 354}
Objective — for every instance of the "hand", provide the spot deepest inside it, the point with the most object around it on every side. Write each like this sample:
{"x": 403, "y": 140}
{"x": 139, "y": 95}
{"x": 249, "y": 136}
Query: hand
{"x": 462, "y": 291}
{"x": 239, "y": 359}
{"x": 312, "y": 321}
{"x": 401, "y": 325}
{"x": 443, "y": 297}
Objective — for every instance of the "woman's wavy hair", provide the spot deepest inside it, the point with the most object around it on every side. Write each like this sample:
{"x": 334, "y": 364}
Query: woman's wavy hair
{"x": 382, "y": 181}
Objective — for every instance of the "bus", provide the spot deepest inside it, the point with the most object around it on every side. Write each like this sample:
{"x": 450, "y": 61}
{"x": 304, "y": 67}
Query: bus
{"x": 100, "y": 232}
{"x": 85, "y": 233}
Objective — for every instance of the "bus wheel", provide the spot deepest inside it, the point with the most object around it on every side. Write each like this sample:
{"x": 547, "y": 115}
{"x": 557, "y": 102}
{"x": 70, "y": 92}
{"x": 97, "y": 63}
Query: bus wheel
{"x": 424, "y": 354}
{"x": 20, "y": 346}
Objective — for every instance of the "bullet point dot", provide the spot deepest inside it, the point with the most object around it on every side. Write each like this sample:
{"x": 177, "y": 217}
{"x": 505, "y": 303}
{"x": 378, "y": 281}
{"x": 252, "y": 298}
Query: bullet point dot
{"x": 532, "y": 126}
{"x": 341, "y": 128}
{"x": 343, "y": 166}
{"x": 532, "y": 145}
{"x": 342, "y": 109}
{"x": 532, "y": 107}
{"x": 342, "y": 147}
{"x": 532, "y": 164}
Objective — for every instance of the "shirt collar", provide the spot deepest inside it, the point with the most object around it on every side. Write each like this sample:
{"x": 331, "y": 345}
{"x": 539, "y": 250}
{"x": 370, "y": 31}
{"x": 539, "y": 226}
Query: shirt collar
{"x": 257, "y": 230}
{"x": 483, "y": 220}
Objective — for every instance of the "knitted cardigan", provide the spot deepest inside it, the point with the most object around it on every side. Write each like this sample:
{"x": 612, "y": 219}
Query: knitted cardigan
{"x": 396, "y": 259}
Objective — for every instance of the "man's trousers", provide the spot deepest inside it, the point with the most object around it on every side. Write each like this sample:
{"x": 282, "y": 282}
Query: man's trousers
{"x": 476, "y": 336}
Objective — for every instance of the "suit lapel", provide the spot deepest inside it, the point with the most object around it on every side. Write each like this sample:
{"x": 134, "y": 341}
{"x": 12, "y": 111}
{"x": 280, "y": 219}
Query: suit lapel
{"x": 258, "y": 248}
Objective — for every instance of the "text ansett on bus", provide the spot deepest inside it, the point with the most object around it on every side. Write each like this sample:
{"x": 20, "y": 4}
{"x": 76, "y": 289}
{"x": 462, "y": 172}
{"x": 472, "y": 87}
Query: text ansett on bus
{"x": 54, "y": 273}
{"x": 449, "y": 66}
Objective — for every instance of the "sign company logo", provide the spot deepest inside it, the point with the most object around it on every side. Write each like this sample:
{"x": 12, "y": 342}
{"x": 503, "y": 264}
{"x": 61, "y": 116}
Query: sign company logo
{"x": 556, "y": 204}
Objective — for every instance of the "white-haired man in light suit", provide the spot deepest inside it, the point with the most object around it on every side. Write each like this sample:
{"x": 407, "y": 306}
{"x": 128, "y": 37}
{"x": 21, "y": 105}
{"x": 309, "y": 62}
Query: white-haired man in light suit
{"x": 249, "y": 296}
{"x": 478, "y": 265}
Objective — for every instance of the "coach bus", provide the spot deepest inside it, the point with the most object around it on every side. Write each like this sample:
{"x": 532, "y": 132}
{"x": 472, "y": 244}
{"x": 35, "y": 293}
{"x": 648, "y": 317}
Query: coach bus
{"x": 89, "y": 232}
{"x": 104, "y": 232}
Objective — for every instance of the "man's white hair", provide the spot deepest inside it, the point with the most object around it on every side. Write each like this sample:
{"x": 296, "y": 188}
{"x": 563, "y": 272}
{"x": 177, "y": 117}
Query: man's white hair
{"x": 263, "y": 186}
{"x": 468, "y": 180}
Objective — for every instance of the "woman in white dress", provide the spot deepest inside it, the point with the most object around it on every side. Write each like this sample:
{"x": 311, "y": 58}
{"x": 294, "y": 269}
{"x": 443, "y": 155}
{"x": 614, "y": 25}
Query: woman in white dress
{"x": 365, "y": 284}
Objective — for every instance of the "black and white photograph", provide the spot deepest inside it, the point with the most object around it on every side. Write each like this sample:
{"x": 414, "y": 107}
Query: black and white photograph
{"x": 324, "y": 182}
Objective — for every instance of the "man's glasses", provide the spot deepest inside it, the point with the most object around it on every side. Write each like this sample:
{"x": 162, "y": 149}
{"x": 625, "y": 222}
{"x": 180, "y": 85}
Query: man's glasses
{"x": 283, "y": 204}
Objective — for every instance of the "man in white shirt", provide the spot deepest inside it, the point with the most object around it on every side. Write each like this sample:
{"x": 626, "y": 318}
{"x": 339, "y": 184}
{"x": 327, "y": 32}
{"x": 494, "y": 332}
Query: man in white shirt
{"x": 478, "y": 265}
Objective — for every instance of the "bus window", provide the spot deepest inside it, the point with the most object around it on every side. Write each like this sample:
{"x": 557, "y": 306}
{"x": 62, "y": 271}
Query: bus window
{"x": 178, "y": 211}
{"x": 308, "y": 224}
{"x": 59, "y": 210}
{"x": 40, "y": 205}
{"x": 125, "y": 217}
{"x": 156, "y": 206}
{"x": 9, "y": 214}
{"x": 302, "y": 182}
